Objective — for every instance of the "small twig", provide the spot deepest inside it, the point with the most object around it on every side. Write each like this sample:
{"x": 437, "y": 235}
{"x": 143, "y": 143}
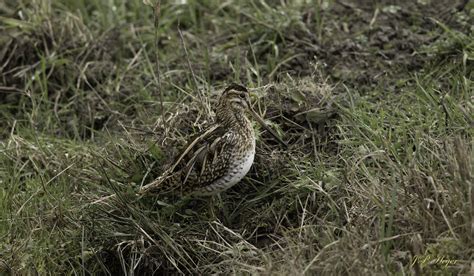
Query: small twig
{"x": 156, "y": 15}
{"x": 463, "y": 159}
{"x": 313, "y": 140}
{"x": 440, "y": 208}
{"x": 374, "y": 18}
{"x": 187, "y": 57}
{"x": 102, "y": 199}
{"x": 190, "y": 68}
{"x": 319, "y": 254}
{"x": 7, "y": 89}
{"x": 346, "y": 5}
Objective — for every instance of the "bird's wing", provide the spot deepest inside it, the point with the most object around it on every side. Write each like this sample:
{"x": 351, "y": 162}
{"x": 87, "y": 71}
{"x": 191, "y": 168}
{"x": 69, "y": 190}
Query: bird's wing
{"x": 202, "y": 161}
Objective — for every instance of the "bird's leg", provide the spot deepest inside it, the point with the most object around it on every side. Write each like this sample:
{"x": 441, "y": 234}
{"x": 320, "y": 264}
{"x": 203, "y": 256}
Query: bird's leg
{"x": 211, "y": 204}
{"x": 222, "y": 207}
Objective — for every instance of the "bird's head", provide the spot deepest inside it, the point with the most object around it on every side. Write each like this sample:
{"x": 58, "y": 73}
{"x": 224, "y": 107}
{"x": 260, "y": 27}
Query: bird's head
{"x": 235, "y": 97}
{"x": 236, "y": 100}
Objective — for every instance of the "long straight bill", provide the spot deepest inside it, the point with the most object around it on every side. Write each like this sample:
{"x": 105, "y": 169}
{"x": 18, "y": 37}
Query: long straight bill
{"x": 261, "y": 122}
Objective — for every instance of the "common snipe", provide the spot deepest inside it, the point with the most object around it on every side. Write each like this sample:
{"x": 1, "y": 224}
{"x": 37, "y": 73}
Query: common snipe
{"x": 220, "y": 156}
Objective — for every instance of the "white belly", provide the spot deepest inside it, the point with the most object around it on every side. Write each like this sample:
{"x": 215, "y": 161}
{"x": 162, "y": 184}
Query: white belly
{"x": 237, "y": 171}
{"x": 240, "y": 169}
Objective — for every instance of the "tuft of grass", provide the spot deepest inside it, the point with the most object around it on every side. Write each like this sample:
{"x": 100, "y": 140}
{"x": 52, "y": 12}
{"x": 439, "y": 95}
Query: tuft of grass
{"x": 375, "y": 102}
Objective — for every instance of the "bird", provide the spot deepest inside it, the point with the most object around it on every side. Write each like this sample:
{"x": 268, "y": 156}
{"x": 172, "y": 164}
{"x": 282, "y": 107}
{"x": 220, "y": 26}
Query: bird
{"x": 220, "y": 156}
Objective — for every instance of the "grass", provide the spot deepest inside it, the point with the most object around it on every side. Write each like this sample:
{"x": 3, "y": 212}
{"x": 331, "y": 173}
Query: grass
{"x": 374, "y": 100}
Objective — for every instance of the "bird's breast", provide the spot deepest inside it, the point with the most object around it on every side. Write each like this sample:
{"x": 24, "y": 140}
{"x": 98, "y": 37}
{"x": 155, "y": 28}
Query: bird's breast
{"x": 239, "y": 166}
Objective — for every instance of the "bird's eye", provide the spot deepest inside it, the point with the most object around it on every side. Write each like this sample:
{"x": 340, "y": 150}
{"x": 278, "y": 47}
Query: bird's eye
{"x": 242, "y": 96}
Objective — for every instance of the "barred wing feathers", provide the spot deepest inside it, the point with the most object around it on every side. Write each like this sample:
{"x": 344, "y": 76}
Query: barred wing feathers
{"x": 204, "y": 160}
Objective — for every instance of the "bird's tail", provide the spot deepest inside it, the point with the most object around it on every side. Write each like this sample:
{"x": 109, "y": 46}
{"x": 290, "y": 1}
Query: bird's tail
{"x": 152, "y": 187}
{"x": 161, "y": 185}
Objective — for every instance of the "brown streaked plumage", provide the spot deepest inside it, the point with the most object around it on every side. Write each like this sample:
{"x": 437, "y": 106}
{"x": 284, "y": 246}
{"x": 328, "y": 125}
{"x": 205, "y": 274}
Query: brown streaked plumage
{"x": 220, "y": 156}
